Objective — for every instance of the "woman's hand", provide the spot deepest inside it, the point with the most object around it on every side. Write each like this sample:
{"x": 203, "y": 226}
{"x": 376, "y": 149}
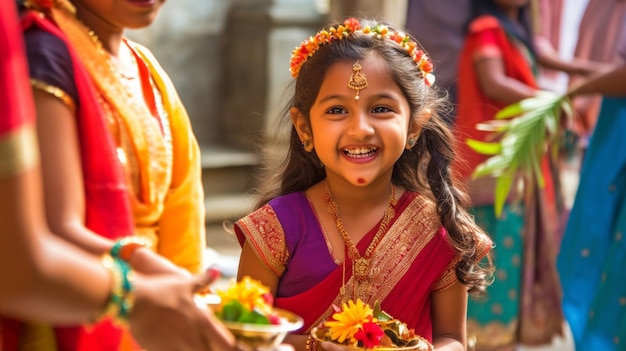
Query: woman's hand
{"x": 331, "y": 346}
{"x": 165, "y": 316}
{"x": 148, "y": 262}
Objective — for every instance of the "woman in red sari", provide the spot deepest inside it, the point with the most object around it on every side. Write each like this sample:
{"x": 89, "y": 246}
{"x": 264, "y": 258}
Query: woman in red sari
{"x": 364, "y": 206}
{"x": 119, "y": 157}
{"x": 498, "y": 67}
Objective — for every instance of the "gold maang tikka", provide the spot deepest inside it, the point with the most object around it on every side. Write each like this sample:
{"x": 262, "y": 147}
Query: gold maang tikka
{"x": 357, "y": 80}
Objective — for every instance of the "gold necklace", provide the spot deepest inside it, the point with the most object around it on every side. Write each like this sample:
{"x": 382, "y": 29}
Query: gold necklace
{"x": 361, "y": 264}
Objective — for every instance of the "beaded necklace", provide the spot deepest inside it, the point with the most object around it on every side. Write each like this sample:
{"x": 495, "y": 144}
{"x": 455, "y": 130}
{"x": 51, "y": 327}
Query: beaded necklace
{"x": 361, "y": 270}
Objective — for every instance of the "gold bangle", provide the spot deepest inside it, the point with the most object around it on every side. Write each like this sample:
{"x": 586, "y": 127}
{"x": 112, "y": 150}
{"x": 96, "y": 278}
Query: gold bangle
{"x": 121, "y": 296}
{"x": 311, "y": 344}
{"x": 125, "y": 247}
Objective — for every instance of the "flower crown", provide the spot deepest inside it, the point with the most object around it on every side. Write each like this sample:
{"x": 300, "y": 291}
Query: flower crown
{"x": 352, "y": 25}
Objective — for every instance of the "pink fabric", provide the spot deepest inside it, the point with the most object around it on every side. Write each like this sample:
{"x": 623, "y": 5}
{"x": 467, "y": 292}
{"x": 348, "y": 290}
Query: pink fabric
{"x": 16, "y": 107}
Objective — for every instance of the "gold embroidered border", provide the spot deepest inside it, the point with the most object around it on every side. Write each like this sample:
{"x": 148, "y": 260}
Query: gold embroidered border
{"x": 148, "y": 144}
{"x": 54, "y": 91}
{"x": 18, "y": 151}
{"x": 265, "y": 233}
{"x": 410, "y": 233}
{"x": 405, "y": 239}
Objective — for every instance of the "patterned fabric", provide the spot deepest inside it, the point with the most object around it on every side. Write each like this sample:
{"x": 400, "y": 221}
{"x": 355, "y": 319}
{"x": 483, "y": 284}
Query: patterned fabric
{"x": 593, "y": 253}
{"x": 412, "y": 260}
{"x": 494, "y": 321}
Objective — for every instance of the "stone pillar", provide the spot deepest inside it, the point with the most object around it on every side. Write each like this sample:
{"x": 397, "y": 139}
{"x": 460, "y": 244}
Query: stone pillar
{"x": 185, "y": 39}
{"x": 258, "y": 39}
{"x": 393, "y": 11}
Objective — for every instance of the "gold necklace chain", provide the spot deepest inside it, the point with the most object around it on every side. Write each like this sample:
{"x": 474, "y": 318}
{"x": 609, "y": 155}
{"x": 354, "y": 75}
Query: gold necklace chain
{"x": 361, "y": 264}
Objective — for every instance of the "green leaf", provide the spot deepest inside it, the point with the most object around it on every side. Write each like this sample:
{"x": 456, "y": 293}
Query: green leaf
{"x": 503, "y": 187}
{"x": 232, "y": 311}
{"x": 253, "y": 317}
{"x": 483, "y": 147}
{"x": 524, "y": 130}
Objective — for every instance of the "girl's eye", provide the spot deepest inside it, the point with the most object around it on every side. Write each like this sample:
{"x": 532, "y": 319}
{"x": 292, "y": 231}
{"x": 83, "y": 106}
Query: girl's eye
{"x": 336, "y": 111}
{"x": 381, "y": 109}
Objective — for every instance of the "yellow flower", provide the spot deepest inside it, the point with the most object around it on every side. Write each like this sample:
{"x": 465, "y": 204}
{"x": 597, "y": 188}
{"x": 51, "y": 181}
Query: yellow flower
{"x": 249, "y": 292}
{"x": 346, "y": 323}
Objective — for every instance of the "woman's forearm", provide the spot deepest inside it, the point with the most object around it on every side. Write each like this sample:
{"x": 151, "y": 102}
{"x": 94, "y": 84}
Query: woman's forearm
{"x": 41, "y": 275}
{"x": 610, "y": 84}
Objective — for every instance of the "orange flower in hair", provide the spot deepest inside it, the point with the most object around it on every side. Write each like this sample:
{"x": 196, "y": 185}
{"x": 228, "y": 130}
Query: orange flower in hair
{"x": 352, "y": 25}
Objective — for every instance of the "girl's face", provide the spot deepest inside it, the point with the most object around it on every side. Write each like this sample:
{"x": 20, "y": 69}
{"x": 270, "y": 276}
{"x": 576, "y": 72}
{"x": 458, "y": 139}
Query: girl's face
{"x": 117, "y": 15}
{"x": 359, "y": 140}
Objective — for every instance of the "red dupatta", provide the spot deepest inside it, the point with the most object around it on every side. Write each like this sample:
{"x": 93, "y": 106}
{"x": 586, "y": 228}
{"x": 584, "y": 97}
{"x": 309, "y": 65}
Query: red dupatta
{"x": 16, "y": 121}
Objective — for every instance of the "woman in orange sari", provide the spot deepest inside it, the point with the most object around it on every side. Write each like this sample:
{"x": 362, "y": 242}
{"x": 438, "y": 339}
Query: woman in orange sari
{"x": 118, "y": 155}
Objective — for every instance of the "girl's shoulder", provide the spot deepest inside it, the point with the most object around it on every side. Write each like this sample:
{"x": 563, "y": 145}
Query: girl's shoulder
{"x": 295, "y": 200}
{"x": 483, "y": 23}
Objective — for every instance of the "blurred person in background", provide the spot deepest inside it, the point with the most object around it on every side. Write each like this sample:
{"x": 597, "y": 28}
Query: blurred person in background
{"x": 498, "y": 66}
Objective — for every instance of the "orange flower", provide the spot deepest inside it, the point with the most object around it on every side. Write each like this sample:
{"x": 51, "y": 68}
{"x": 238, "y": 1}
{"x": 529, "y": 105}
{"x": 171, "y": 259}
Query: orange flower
{"x": 350, "y": 26}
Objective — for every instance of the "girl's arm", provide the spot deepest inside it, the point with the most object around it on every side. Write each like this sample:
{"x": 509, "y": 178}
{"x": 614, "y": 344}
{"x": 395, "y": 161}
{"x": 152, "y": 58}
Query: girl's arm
{"x": 250, "y": 265}
{"x": 547, "y": 57}
{"x": 449, "y": 316}
{"x": 495, "y": 84}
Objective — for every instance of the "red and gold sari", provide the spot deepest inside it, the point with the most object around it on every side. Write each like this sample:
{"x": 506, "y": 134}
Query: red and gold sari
{"x": 413, "y": 260}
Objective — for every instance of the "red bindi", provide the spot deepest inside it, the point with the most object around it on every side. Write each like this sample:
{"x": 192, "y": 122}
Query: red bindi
{"x": 360, "y": 180}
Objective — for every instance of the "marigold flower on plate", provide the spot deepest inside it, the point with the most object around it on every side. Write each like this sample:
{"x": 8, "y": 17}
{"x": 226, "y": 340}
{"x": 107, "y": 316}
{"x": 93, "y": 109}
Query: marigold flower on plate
{"x": 358, "y": 326}
{"x": 346, "y": 323}
{"x": 250, "y": 293}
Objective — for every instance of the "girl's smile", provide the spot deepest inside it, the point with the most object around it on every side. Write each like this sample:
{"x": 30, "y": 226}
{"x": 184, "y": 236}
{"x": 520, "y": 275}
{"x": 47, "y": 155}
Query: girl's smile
{"x": 360, "y": 139}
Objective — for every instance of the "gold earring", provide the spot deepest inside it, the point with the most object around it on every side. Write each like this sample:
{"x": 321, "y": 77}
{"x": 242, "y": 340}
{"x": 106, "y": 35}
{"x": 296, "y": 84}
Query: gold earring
{"x": 357, "y": 80}
{"x": 307, "y": 145}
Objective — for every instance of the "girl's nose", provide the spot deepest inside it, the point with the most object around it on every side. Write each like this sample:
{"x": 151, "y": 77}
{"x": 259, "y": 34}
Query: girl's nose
{"x": 360, "y": 125}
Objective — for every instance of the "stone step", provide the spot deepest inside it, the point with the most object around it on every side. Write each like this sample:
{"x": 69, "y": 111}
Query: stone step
{"x": 221, "y": 156}
{"x": 219, "y": 208}
{"x": 227, "y": 170}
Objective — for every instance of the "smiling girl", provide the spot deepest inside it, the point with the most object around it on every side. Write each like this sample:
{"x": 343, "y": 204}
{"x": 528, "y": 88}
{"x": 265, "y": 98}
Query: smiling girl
{"x": 364, "y": 206}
